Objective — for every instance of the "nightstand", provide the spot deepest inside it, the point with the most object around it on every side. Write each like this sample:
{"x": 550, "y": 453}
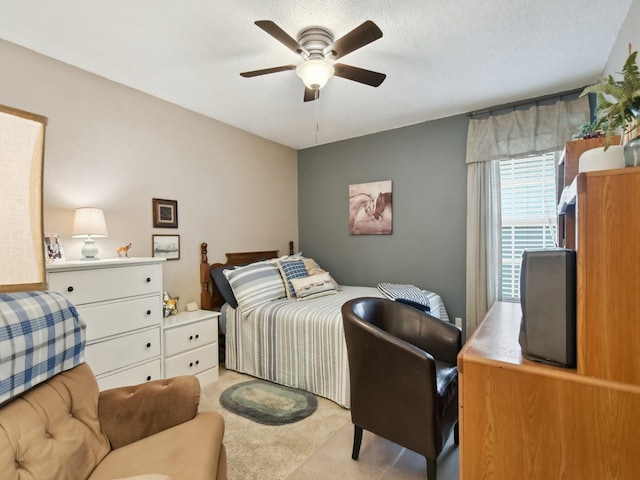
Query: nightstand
{"x": 191, "y": 345}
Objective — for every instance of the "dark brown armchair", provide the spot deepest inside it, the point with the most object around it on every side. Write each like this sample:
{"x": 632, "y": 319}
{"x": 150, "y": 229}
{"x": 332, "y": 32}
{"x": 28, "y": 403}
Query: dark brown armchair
{"x": 404, "y": 380}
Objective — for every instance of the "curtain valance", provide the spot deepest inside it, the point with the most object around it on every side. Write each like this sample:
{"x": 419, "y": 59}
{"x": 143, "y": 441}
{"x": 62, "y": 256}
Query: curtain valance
{"x": 539, "y": 129}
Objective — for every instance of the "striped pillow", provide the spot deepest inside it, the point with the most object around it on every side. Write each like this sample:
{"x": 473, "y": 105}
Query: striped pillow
{"x": 255, "y": 284}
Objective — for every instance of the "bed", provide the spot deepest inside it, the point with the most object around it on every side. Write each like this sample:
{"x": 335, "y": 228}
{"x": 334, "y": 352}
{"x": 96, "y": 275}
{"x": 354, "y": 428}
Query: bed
{"x": 297, "y": 342}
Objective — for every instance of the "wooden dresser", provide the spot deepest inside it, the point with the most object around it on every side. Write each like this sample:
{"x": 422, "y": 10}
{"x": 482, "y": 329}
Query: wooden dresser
{"x": 522, "y": 419}
{"x": 120, "y": 301}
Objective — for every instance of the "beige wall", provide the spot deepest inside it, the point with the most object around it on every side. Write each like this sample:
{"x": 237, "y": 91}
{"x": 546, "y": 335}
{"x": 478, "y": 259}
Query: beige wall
{"x": 629, "y": 33}
{"x": 113, "y": 147}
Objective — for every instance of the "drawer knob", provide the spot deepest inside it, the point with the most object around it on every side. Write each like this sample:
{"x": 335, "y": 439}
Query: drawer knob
{"x": 148, "y": 312}
{"x": 69, "y": 289}
{"x": 148, "y": 344}
{"x": 148, "y": 377}
{"x": 148, "y": 279}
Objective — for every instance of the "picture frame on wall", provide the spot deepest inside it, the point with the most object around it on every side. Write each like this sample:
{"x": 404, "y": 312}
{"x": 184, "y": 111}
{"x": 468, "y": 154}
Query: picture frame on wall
{"x": 165, "y": 213}
{"x": 53, "y": 252}
{"x": 370, "y": 208}
{"x": 166, "y": 246}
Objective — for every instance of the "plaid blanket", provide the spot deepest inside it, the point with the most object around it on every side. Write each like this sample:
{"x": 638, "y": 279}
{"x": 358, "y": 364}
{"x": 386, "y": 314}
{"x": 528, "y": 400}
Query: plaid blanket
{"x": 41, "y": 335}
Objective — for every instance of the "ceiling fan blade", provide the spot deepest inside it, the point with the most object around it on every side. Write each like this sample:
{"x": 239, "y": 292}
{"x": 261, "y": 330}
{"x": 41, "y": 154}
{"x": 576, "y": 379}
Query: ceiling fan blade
{"x": 310, "y": 95}
{"x": 358, "y": 37}
{"x": 265, "y": 71}
{"x": 361, "y": 75}
{"x": 283, "y": 37}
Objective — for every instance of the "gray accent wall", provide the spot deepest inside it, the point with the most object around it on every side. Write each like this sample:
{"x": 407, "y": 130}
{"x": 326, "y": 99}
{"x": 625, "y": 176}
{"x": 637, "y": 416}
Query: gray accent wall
{"x": 426, "y": 164}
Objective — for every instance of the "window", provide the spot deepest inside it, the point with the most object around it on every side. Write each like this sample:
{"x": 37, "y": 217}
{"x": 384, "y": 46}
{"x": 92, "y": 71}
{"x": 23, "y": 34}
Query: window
{"x": 529, "y": 219}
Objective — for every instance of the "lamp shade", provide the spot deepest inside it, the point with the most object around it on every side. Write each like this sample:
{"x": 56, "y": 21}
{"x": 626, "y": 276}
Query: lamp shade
{"x": 89, "y": 222}
{"x": 315, "y": 73}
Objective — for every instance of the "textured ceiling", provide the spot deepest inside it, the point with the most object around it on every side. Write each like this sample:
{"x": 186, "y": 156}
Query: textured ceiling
{"x": 441, "y": 58}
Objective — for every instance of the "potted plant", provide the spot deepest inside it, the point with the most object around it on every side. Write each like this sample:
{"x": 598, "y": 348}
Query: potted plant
{"x": 618, "y": 104}
{"x": 588, "y": 130}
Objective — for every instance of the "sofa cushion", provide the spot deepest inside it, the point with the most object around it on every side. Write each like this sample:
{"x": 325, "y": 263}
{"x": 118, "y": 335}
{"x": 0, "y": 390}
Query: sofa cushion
{"x": 148, "y": 476}
{"x": 52, "y": 431}
{"x": 130, "y": 413}
{"x": 190, "y": 451}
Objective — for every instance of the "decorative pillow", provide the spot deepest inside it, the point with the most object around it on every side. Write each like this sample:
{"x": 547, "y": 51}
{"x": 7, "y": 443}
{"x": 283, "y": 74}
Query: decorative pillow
{"x": 255, "y": 284}
{"x": 224, "y": 288}
{"x": 292, "y": 269}
{"x": 314, "y": 269}
{"x": 313, "y": 286}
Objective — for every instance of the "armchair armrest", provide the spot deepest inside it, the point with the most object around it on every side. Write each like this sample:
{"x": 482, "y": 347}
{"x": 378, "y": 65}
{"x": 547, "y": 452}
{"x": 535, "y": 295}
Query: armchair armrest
{"x": 441, "y": 339}
{"x": 128, "y": 414}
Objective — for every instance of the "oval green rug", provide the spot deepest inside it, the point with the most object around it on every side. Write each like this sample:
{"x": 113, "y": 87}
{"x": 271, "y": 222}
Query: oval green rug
{"x": 268, "y": 403}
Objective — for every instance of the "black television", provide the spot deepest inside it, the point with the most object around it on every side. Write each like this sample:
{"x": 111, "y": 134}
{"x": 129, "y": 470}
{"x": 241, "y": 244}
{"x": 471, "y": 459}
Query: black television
{"x": 548, "y": 302}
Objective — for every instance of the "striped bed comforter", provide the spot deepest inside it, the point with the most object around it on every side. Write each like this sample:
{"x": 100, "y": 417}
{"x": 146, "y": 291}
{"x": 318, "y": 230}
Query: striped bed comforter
{"x": 299, "y": 344}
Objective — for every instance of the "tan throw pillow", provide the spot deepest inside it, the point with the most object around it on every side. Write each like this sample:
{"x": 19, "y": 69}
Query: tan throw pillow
{"x": 314, "y": 269}
{"x": 313, "y": 286}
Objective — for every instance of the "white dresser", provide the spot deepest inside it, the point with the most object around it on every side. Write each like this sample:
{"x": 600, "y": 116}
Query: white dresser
{"x": 120, "y": 301}
{"x": 191, "y": 345}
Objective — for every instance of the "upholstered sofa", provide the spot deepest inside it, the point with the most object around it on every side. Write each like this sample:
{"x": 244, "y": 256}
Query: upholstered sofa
{"x": 64, "y": 428}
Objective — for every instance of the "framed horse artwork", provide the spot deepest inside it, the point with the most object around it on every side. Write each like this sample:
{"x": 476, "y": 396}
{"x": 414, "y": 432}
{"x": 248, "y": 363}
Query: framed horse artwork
{"x": 370, "y": 211}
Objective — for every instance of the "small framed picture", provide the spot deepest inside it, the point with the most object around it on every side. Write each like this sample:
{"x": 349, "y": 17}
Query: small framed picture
{"x": 53, "y": 252}
{"x": 165, "y": 213}
{"x": 166, "y": 246}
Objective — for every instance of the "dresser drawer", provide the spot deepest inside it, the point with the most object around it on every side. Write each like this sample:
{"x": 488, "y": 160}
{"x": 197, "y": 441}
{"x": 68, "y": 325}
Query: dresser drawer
{"x": 207, "y": 377}
{"x": 189, "y": 336}
{"x": 133, "y": 376}
{"x": 192, "y": 362}
{"x": 112, "y": 318}
{"x": 88, "y": 286}
{"x": 118, "y": 352}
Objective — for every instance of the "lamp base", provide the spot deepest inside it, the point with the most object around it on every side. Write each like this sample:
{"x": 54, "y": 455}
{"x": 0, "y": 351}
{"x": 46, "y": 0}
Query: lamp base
{"x": 89, "y": 250}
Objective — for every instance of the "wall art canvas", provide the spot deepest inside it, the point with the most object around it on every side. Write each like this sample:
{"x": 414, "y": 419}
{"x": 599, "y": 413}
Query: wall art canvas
{"x": 370, "y": 211}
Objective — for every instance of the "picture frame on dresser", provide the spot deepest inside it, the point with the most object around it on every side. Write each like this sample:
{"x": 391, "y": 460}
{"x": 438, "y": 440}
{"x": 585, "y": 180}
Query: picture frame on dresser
{"x": 53, "y": 252}
{"x": 165, "y": 213}
{"x": 165, "y": 246}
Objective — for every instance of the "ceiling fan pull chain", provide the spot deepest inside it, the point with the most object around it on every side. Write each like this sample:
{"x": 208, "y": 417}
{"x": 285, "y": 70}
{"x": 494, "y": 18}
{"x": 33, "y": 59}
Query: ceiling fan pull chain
{"x": 317, "y": 94}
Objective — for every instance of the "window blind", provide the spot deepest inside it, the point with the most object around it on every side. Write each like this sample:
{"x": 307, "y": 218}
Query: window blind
{"x": 529, "y": 219}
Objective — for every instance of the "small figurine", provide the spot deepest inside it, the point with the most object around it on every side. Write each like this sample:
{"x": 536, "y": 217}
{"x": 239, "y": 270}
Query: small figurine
{"x": 170, "y": 304}
{"x": 124, "y": 250}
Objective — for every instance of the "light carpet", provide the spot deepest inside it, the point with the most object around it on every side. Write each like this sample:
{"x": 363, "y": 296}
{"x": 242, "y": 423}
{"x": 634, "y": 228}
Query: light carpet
{"x": 267, "y": 452}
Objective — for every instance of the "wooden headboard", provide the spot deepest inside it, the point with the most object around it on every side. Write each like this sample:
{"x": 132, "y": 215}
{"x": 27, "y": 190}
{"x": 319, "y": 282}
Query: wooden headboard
{"x": 210, "y": 297}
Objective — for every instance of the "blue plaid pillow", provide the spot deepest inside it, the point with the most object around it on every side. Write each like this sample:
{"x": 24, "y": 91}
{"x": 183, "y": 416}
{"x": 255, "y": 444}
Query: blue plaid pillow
{"x": 292, "y": 269}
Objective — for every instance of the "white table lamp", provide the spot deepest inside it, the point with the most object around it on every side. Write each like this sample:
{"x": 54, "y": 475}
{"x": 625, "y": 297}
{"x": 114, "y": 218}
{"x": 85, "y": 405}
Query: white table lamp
{"x": 89, "y": 223}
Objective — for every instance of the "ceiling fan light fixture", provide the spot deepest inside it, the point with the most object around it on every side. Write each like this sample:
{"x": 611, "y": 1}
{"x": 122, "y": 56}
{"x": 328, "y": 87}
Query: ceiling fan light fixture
{"x": 315, "y": 73}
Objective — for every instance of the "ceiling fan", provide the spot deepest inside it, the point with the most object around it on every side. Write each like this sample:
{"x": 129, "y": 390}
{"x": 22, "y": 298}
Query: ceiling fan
{"x": 317, "y": 46}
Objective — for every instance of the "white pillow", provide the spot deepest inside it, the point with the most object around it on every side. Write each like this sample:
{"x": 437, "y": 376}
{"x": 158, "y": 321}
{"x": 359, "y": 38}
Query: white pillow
{"x": 255, "y": 284}
{"x": 313, "y": 286}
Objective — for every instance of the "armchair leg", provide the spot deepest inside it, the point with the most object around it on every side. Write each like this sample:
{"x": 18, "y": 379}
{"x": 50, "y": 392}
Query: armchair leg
{"x": 357, "y": 441}
{"x": 456, "y": 433}
{"x": 432, "y": 470}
